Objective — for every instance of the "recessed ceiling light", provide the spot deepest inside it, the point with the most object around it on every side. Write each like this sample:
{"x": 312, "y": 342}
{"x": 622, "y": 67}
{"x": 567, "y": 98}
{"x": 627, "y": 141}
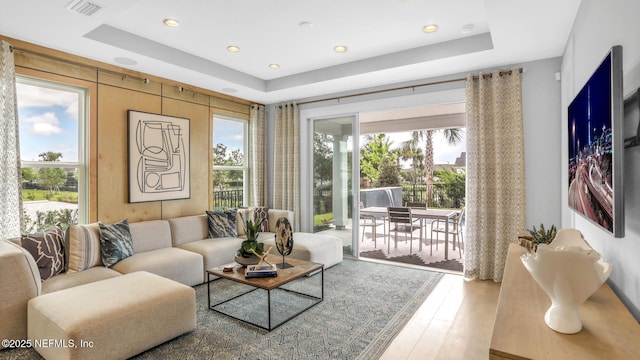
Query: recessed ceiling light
{"x": 340, "y": 49}
{"x": 274, "y": 66}
{"x": 305, "y": 24}
{"x": 467, "y": 28}
{"x": 171, "y": 22}
{"x": 233, "y": 48}
{"x": 430, "y": 28}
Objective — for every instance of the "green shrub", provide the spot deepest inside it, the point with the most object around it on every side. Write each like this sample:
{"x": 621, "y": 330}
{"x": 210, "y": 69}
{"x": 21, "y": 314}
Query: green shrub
{"x": 44, "y": 220}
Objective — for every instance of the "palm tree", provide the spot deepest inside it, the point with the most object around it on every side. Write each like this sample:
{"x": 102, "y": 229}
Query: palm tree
{"x": 453, "y": 137}
{"x": 410, "y": 150}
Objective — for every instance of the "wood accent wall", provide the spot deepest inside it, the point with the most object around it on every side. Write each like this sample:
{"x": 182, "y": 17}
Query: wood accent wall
{"x": 113, "y": 91}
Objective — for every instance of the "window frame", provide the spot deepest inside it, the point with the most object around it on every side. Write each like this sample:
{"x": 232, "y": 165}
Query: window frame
{"x": 245, "y": 167}
{"x": 84, "y": 119}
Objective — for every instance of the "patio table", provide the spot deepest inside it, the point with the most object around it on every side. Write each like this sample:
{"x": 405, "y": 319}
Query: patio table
{"x": 422, "y": 214}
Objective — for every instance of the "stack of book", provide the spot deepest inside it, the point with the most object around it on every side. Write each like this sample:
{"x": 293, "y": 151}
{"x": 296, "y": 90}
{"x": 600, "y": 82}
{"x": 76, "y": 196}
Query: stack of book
{"x": 264, "y": 270}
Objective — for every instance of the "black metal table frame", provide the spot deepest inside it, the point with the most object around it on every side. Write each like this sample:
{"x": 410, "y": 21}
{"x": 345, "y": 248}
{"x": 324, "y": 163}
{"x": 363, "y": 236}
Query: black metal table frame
{"x": 268, "y": 327}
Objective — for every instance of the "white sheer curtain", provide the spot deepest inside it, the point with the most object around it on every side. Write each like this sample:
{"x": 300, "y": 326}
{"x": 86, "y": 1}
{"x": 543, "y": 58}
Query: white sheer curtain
{"x": 10, "y": 175}
{"x": 286, "y": 159}
{"x": 495, "y": 172}
{"x": 258, "y": 156}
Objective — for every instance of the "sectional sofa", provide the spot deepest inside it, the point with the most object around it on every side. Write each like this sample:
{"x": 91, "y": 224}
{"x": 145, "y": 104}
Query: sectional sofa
{"x": 178, "y": 249}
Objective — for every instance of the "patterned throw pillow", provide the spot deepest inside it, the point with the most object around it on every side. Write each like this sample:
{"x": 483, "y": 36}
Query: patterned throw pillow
{"x": 82, "y": 246}
{"x": 47, "y": 248}
{"x": 262, "y": 212}
{"x": 222, "y": 223}
{"x": 115, "y": 242}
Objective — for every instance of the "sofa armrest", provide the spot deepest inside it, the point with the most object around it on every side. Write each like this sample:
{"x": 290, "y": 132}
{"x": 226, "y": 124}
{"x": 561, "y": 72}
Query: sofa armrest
{"x": 20, "y": 281}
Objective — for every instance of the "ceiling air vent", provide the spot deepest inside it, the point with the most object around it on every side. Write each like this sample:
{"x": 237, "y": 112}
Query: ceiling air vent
{"x": 83, "y": 7}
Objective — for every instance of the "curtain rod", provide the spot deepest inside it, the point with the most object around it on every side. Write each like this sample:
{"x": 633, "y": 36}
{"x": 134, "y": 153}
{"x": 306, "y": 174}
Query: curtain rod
{"x": 382, "y": 91}
{"x": 71, "y": 62}
{"x": 406, "y": 87}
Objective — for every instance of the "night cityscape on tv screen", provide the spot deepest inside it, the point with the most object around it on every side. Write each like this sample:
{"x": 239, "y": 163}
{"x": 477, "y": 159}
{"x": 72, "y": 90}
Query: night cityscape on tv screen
{"x": 591, "y": 190}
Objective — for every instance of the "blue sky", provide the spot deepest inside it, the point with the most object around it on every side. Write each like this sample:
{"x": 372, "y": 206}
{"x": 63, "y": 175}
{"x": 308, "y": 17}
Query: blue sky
{"x": 48, "y": 122}
{"x": 443, "y": 153}
{"x": 229, "y": 133}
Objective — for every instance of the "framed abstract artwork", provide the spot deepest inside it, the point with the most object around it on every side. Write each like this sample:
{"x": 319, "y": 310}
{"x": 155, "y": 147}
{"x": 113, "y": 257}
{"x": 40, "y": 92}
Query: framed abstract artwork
{"x": 159, "y": 153}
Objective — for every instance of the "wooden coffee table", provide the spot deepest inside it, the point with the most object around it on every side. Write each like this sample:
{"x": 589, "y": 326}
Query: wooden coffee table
{"x": 300, "y": 268}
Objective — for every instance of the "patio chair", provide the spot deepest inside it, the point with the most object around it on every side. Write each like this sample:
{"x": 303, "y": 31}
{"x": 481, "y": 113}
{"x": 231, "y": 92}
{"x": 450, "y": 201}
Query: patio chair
{"x": 423, "y": 223}
{"x": 402, "y": 216}
{"x": 416, "y": 205}
{"x": 455, "y": 229}
{"x": 373, "y": 223}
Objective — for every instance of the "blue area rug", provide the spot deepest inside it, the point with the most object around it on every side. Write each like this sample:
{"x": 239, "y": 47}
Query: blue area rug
{"x": 365, "y": 306}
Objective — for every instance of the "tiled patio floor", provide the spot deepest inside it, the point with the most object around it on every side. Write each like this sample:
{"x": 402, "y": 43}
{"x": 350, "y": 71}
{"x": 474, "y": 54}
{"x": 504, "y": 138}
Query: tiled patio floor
{"x": 382, "y": 250}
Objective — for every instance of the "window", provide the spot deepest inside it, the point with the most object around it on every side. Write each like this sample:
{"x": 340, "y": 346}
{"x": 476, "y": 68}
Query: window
{"x": 52, "y": 153}
{"x": 230, "y": 165}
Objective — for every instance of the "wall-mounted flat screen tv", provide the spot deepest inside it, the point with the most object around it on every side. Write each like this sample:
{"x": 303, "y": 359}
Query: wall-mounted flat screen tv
{"x": 596, "y": 146}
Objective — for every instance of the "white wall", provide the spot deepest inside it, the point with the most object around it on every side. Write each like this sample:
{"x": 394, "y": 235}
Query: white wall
{"x": 541, "y": 122}
{"x": 600, "y": 25}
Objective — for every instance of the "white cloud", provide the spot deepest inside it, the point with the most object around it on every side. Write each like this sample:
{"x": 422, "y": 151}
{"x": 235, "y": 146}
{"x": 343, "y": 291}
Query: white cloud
{"x": 238, "y": 137}
{"x": 72, "y": 110}
{"x": 443, "y": 152}
{"x": 35, "y": 96}
{"x": 44, "y": 124}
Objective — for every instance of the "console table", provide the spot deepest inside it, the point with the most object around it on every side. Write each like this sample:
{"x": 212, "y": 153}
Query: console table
{"x": 609, "y": 330}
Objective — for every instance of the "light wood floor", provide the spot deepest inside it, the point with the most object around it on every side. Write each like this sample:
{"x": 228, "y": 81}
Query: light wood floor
{"x": 455, "y": 322}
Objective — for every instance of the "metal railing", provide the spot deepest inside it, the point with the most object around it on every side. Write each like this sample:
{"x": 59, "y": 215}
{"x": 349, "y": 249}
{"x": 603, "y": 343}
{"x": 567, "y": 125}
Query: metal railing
{"x": 418, "y": 194}
{"x": 228, "y": 198}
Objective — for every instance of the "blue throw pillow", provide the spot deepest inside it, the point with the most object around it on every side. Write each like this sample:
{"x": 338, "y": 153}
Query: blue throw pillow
{"x": 222, "y": 223}
{"x": 115, "y": 242}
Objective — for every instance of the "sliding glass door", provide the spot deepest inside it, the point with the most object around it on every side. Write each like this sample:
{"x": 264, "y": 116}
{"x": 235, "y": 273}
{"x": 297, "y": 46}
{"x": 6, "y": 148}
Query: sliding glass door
{"x": 333, "y": 178}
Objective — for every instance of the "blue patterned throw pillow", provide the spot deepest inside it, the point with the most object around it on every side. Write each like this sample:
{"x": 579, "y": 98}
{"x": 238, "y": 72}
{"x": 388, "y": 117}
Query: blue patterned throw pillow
{"x": 115, "y": 242}
{"x": 222, "y": 223}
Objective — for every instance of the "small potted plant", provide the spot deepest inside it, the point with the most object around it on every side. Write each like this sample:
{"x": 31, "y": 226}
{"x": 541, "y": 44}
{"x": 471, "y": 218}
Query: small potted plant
{"x": 245, "y": 254}
{"x": 539, "y": 236}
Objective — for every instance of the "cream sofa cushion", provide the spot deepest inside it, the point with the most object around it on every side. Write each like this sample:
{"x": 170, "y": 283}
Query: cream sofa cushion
{"x": 318, "y": 248}
{"x": 275, "y": 214}
{"x": 215, "y": 252}
{"x": 189, "y": 228}
{"x": 150, "y": 235}
{"x": 71, "y": 279}
{"x": 122, "y": 316}
{"x": 172, "y": 263}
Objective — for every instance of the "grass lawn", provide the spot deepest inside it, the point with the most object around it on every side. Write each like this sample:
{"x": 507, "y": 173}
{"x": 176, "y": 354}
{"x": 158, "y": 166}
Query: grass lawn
{"x": 322, "y": 219}
{"x": 36, "y": 194}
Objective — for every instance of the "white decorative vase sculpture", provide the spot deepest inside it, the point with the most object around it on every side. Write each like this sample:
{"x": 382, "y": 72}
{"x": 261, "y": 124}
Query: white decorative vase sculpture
{"x": 569, "y": 271}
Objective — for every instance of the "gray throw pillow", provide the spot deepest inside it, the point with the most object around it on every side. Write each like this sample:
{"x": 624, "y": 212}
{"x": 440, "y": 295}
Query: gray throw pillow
{"x": 47, "y": 248}
{"x": 115, "y": 242}
{"x": 222, "y": 223}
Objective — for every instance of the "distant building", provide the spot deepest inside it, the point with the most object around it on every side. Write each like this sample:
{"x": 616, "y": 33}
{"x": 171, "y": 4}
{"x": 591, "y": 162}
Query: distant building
{"x": 459, "y": 166}
{"x": 462, "y": 159}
